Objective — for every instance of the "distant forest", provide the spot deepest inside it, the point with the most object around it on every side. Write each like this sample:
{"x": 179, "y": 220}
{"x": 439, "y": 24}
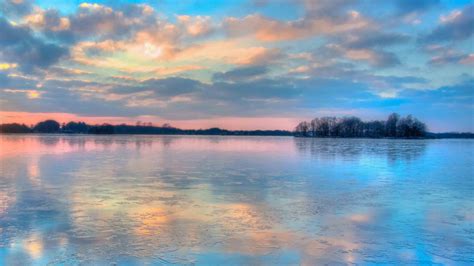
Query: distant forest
{"x": 345, "y": 127}
{"x": 51, "y": 126}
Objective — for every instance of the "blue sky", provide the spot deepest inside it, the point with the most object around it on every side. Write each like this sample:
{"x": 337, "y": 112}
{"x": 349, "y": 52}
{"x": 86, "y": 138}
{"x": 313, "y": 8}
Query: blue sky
{"x": 237, "y": 64}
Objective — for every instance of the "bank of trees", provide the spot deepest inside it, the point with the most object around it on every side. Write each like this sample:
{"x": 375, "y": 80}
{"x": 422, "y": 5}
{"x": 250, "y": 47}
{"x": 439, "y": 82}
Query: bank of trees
{"x": 51, "y": 126}
{"x": 353, "y": 127}
{"x": 14, "y": 128}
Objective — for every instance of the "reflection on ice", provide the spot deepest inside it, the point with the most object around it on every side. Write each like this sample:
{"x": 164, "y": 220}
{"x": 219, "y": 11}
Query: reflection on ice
{"x": 405, "y": 150}
{"x": 234, "y": 200}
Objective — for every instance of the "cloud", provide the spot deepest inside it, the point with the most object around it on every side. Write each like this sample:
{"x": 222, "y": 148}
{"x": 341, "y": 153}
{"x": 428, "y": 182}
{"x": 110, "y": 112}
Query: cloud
{"x": 368, "y": 45}
{"x": 259, "y": 55}
{"x": 102, "y": 21}
{"x": 452, "y": 104}
{"x": 52, "y": 24}
{"x": 62, "y": 72}
{"x": 229, "y": 52}
{"x": 449, "y": 57}
{"x": 468, "y": 59}
{"x": 16, "y": 82}
{"x": 375, "y": 84}
{"x": 461, "y": 92}
{"x": 30, "y": 94}
{"x": 402, "y": 80}
{"x": 456, "y": 26}
{"x": 267, "y": 29}
{"x": 163, "y": 71}
{"x": 21, "y": 47}
{"x": 6, "y": 66}
{"x": 49, "y": 19}
{"x": 162, "y": 88}
{"x": 241, "y": 74}
{"x": 128, "y": 59}
{"x": 375, "y": 57}
{"x": 92, "y": 21}
{"x": 264, "y": 89}
{"x": 409, "y": 6}
{"x": 384, "y": 59}
{"x": 173, "y": 86}
{"x": 327, "y": 8}
{"x": 226, "y": 91}
{"x": 16, "y": 7}
{"x": 195, "y": 26}
{"x": 242, "y": 92}
{"x": 443, "y": 55}
{"x": 373, "y": 39}
{"x": 59, "y": 95}
{"x": 156, "y": 41}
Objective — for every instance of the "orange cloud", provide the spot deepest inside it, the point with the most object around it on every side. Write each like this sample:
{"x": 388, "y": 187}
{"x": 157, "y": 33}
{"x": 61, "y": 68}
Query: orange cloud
{"x": 40, "y": 19}
{"x": 195, "y": 26}
{"x": 228, "y": 51}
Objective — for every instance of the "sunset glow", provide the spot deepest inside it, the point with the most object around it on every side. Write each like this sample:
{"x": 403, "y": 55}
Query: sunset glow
{"x": 246, "y": 64}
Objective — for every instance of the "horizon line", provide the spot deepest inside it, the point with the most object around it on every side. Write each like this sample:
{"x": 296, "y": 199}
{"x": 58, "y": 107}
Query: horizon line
{"x": 170, "y": 126}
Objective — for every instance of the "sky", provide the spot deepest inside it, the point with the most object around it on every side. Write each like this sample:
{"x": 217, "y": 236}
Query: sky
{"x": 237, "y": 64}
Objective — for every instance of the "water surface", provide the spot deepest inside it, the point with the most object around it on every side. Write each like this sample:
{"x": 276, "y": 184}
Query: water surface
{"x": 234, "y": 200}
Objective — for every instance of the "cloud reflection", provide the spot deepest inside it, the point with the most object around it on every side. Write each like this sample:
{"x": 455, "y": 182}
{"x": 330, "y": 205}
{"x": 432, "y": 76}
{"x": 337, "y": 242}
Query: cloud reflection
{"x": 251, "y": 200}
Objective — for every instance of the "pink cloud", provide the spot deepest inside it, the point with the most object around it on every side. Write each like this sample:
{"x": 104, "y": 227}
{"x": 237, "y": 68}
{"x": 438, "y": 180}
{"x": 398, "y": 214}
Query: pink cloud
{"x": 468, "y": 60}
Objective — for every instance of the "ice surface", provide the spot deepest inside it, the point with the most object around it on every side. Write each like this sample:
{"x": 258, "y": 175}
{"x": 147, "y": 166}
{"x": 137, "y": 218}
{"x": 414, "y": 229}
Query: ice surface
{"x": 95, "y": 200}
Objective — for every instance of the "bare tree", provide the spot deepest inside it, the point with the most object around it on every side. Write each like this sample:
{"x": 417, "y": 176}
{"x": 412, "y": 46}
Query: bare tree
{"x": 391, "y": 125}
{"x": 302, "y": 129}
{"x": 406, "y": 127}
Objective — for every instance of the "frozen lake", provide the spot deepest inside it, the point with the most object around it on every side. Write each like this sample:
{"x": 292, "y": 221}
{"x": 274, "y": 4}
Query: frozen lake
{"x": 234, "y": 200}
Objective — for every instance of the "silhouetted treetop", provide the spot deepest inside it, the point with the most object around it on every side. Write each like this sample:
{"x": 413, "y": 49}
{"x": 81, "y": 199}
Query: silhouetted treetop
{"x": 48, "y": 126}
{"x": 14, "y": 128}
{"x": 76, "y": 127}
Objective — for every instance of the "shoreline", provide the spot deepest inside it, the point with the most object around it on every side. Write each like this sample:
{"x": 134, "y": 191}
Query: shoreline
{"x": 442, "y": 135}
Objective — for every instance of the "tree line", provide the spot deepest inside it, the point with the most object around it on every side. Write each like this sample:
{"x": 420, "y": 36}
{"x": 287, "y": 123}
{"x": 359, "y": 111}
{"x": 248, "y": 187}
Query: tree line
{"x": 352, "y": 127}
{"x": 52, "y": 126}
{"x": 394, "y": 127}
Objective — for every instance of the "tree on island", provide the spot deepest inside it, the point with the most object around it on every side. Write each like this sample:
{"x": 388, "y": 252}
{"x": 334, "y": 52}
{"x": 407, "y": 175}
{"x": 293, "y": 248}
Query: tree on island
{"x": 303, "y": 129}
{"x": 351, "y": 127}
{"x": 48, "y": 126}
{"x": 391, "y": 125}
{"x": 409, "y": 127}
